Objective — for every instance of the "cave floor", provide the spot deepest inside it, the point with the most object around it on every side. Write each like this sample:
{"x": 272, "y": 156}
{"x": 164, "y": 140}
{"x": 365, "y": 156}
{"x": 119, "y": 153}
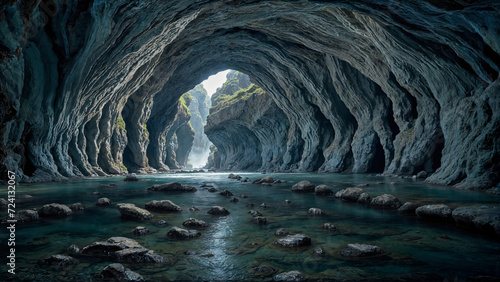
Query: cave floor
{"x": 414, "y": 249}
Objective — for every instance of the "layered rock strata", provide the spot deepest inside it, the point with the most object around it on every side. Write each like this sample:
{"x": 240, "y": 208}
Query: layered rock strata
{"x": 388, "y": 86}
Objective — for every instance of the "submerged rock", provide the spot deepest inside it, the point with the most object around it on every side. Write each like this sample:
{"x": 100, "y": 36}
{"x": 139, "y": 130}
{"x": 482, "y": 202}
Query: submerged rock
{"x": 303, "y": 186}
{"x": 293, "y": 275}
{"x": 323, "y": 190}
{"x": 212, "y": 190}
{"x": 73, "y": 249}
{"x": 319, "y": 252}
{"x": 163, "y": 205}
{"x": 131, "y": 211}
{"x": 364, "y": 198}
{"x": 131, "y": 177}
{"x": 243, "y": 196}
{"x": 264, "y": 206}
{"x": 361, "y": 250}
{"x": 288, "y": 202}
{"x": 193, "y": 208}
{"x": 281, "y": 232}
{"x": 350, "y": 194}
{"x": 172, "y": 187}
{"x": 481, "y": 218}
{"x": 3, "y": 202}
{"x": 193, "y": 222}
{"x": 234, "y": 200}
{"x": 141, "y": 230}
{"x": 218, "y": 210}
{"x": 226, "y": 193}
{"x": 254, "y": 213}
{"x": 103, "y": 202}
{"x": 54, "y": 210}
{"x": 124, "y": 250}
{"x": 77, "y": 207}
{"x": 434, "y": 212}
{"x": 297, "y": 240}
{"x": 120, "y": 273}
{"x": 26, "y": 216}
{"x": 386, "y": 201}
{"x": 58, "y": 261}
{"x": 315, "y": 211}
{"x": 259, "y": 220}
{"x": 179, "y": 233}
{"x": 329, "y": 226}
{"x": 264, "y": 270}
{"x": 408, "y": 207}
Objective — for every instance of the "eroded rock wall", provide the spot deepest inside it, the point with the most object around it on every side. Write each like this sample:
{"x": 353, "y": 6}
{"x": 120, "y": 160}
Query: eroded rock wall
{"x": 366, "y": 85}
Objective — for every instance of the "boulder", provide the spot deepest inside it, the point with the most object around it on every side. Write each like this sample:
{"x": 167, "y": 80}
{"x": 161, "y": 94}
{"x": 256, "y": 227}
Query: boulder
{"x": 226, "y": 193}
{"x": 26, "y": 216}
{"x": 193, "y": 222}
{"x": 481, "y": 218}
{"x": 266, "y": 179}
{"x": 77, "y": 207}
{"x": 124, "y": 250}
{"x": 361, "y": 250}
{"x": 408, "y": 207}
{"x": 303, "y": 186}
{"x": 297, "y": 240}
{"x": 120, "y": 273}
{"x": 103, "y": 202}
{"x": 264, "y": 270}
{"x": 319, "y": 252}
{"x": 163, "y": 205}
{"x": 58, "y": 261}
{"x": 329, "y": 226}
{"x": 218, "y": 210}
{"x": 259, "y": 220}
{"x": 323, "y": 190}
{"x": 139, "y": 255}
{"x": 386, "y": 201}
{"x": 133, "y": 212}
{"x": 315, "y": 211}
{"x": 172, "y": 187}
{"x": 179, "y": 233}
{"x": 254, "y": 213}
{"x": 434, "y": 212}
{"x": 364, "y": 198}
{"x": 293, "y": 275}
{"x": 131, "y": 177}
{"x": 141, "y": 230}
{"x": 54, "y": 210}
{"x": 234, "y": 200}
{"x": 281, "y": 232}
{"x": 73, "y": 249}
{"x": 422, "y": 174}
{"x": 350, "y": 194}
{"x": 193, "y": 208}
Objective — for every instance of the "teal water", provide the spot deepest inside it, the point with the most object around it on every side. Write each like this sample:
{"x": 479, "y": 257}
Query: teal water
{"x": 225, "y": 250}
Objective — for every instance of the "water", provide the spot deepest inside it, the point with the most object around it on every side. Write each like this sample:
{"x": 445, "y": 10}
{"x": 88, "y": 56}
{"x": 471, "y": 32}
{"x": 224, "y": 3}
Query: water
{"x": 225, "y": 250}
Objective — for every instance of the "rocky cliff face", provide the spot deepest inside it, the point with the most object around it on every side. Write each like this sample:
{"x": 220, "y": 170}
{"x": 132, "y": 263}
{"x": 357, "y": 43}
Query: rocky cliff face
{"x": 246, "y": 126}
{"x": 199, "y": 108}
{"x": 366, "y": 85}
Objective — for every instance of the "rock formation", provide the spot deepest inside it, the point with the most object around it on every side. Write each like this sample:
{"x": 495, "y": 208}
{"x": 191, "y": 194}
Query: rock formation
{"x": 396, "y": 87}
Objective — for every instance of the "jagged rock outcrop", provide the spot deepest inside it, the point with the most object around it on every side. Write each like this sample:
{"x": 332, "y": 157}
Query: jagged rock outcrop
{"x": 391, "y": 86}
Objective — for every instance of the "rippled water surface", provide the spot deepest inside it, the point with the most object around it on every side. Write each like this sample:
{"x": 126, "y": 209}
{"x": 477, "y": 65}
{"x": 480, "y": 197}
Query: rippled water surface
{"x": 225, "y": 250}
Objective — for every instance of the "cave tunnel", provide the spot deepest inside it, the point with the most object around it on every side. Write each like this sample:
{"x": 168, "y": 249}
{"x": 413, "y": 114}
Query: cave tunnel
{"x": 101, "y": 89}
{"x": 330, "y": 150}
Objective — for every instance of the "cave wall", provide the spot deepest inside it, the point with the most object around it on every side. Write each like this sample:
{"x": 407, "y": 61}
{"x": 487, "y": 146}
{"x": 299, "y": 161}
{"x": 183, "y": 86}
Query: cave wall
{"x": 414, "y": 84}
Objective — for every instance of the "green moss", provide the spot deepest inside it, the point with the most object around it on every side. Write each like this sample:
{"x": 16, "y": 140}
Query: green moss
{"x": 123, "y": 167}
{"x": 224, "y": 101}
{"x": 145, "y": 132}
{"x": 120, "y": 123}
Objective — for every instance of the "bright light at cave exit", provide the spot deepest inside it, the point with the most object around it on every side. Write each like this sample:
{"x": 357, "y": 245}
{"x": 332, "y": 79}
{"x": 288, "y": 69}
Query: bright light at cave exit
{"x": 214, "y": 81}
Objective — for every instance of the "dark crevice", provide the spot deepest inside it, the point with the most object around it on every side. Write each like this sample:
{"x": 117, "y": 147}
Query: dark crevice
{"x": 378, "y": 161}
{"x": 392, "y": 123}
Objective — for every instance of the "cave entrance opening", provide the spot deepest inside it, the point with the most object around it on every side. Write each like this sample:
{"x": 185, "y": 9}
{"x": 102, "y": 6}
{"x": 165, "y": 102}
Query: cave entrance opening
{"x": 198, "y": 103}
